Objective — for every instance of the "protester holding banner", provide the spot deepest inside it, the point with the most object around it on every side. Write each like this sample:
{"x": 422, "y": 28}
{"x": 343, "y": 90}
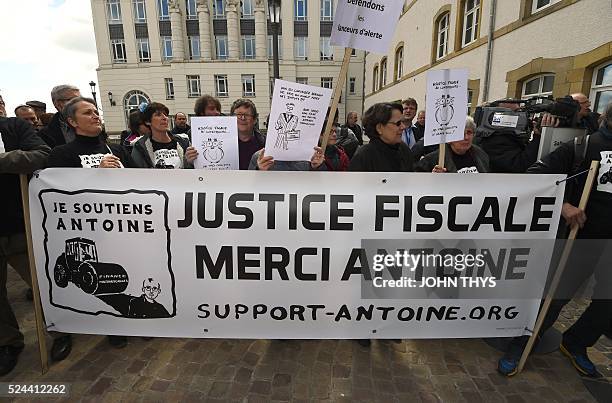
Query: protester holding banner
{"x": 161, "y": 149}
{"x": 249, "y": 138}
{"x": 262, "y": 162}
{"x": 22, "y": 151}
{"x": 336, "y": 159}
{"x": 386, "y": 152}
{"x": 587, "y": 257}
{"x": 89, "y": 148}
{"x": 460, "y": 157}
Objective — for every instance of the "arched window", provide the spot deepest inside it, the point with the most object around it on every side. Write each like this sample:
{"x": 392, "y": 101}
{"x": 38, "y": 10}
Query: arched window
{"x": 601, "y": 87}
{"x": 132, "y": 100}
{"x": 538, "y": 86}
{"x": 375, "y": 79}
{"x": 442, "y": 29}
{"x": 383, "y": 72}
{"x": 398, "y": 71}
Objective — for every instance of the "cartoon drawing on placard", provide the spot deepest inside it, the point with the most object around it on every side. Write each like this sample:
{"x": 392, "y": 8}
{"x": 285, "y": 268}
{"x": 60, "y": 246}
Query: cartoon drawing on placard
{"x": 213, "y": 150}
{"x": 445, "y": 109}
{"x": 286, "y": 128}
{"x": 78, "y": 264}
{"x": 145, "y": 306}
{"x": 605, "y": 172}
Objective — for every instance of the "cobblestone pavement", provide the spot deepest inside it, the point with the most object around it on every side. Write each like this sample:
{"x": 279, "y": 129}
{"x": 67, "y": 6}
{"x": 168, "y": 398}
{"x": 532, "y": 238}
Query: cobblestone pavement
{"x": 189, "y": 370}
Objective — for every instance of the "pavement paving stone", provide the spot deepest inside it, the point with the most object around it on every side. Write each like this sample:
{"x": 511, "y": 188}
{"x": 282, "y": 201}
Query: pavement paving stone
{"x": 228, "y": 370}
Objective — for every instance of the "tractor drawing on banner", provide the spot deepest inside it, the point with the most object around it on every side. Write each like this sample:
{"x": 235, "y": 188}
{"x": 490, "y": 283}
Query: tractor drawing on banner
{"x": 79, "y": 265}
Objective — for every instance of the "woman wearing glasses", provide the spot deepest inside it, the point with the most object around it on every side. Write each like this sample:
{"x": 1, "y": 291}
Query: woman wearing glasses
{"x": 386, "y": 152}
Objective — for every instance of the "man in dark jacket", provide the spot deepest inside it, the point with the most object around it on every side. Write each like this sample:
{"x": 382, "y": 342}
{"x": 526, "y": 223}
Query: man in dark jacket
{"x": 351, "y": 124}
{"x": 22, "y": 151}
{"x": 57, "y": 133}
{"x": 180, "y": 124}
{"x": 587, "y": 257}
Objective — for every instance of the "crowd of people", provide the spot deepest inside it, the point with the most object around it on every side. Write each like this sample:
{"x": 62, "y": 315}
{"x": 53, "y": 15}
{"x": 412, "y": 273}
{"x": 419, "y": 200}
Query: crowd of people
{"x": 389, "y": 139}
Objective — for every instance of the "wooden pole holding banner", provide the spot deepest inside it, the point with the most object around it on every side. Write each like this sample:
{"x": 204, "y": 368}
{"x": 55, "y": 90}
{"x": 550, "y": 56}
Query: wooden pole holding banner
{"x": 586, "y": 192}
{"x": 336, "y": 97}
{"x": 40, "y": 322}
{"x": 442, "y": 155}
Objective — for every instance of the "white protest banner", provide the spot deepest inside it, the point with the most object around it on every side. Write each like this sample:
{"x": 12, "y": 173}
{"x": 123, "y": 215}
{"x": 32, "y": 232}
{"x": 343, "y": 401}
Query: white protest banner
{"x": 296, "y": 118}
{"x": 365, "y": 24}
{"x": 246, "y": 254}
{"x": 446, "y": 106}
{"x": 216, "y": 139}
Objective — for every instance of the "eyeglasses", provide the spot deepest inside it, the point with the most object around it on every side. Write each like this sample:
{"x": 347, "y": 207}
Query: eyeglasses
{"x": 398, "y": 123}
{"x": 243, "y": 116}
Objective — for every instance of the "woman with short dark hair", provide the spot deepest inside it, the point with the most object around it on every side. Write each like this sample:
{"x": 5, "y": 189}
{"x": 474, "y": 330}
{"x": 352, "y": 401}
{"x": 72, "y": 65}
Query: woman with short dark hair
{"x": 89, "y": 148}
{"x": 386, "y": 152}
{"x": 161, "y": 149}
{"x": 136, "y": 130}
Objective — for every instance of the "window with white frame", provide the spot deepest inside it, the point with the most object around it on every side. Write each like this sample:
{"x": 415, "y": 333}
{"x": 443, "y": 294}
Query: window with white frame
{"x": 300, "y": 47}
{"x": 302, "y": 80}
{"x": 169, "y": 85}
{"x": 248, "y": 85}
{"x": 470, "y": 94}
{"x": 144, "y": 51}
{"x": 601, "y": 87}
{"x": 166, "y": 42}
{"x": 383, "y": 72}
{"x": 163, "y": 10}
{"x": 375, "y": 79}
{"x": 131, "y": 101}
{"x": 327, "y": 82}
{"x": 140, "y": 12}
{"x": 352, "y": 85}
{"x": 218, "y": 9}
{"x": 541, "y": 4}
{"x": 271, "y": 49}
{"x": 113, "y": 9}
{"x": 248, "y": 46}
{"x": 118, "y": 46}
{"x": 193, "y": 86}
{"x": 191, "y": 9}
{"x": 325, "y": 48}
{"x": 443, "y": 29}
{"x": 300, "y": 10}
{"x": 221, "y": 85}
{"x": 246, "y": 10}
{"x": 399, "y": 63}
{"x": 538, "y": 86}
{"x": 471, "y": 14}
{"x": 221, "y": 47}
{"x": 194, "y": 47}
{"x": 327, "y": 10}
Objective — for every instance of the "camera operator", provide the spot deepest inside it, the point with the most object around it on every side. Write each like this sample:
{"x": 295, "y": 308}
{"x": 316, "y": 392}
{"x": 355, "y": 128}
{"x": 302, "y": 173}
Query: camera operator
{"x": 509, "y": 153}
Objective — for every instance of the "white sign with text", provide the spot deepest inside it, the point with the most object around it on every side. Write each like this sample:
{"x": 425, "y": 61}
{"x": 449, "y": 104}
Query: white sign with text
{"x": 447, "y": 101}
{"x": 296, "y": 119}
{"x": 366, "y": 25}
{"x": 216, "y": 139}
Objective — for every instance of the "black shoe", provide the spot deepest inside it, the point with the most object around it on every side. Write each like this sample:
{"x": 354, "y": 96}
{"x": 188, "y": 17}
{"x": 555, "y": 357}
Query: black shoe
{"x": 117, "y": 341}
{"x": 62, "y": 346}
{"x": 364, "y": 342}
{"x": 29, "y": 294}
{"x": 8, "y": 358}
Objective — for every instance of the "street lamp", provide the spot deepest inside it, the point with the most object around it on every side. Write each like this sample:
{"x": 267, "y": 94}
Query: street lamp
{"x": 92, "y": 85}
{"x": 274, "y": 11}
{"x": 110, "y": 99}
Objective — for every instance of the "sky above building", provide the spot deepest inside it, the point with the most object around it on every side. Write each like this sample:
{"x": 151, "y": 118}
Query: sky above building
{"x": 44, "y": 43}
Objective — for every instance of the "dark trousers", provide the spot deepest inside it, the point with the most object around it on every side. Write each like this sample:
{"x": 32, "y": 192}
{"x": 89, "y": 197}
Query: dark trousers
{"x": 13, "y": 251}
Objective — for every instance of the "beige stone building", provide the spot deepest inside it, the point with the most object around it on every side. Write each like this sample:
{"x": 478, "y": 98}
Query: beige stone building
{"x": 173, "y": 51}
{"x": 512, "y": 48}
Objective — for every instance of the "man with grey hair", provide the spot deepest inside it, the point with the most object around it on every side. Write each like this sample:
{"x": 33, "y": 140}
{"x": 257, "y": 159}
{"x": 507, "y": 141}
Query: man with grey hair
{"x": 57, "y": 132}
{"x": 351, "y": 123}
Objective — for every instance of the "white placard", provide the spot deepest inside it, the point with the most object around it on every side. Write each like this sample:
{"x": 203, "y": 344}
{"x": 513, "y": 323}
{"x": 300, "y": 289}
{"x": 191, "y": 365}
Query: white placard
{"x": 366, "y": 25}
{"x": 216, "y": 139}
{"x": 296, "y": 119}
{"x": 245, "y": 254}
{"x": 446, "y": 106}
